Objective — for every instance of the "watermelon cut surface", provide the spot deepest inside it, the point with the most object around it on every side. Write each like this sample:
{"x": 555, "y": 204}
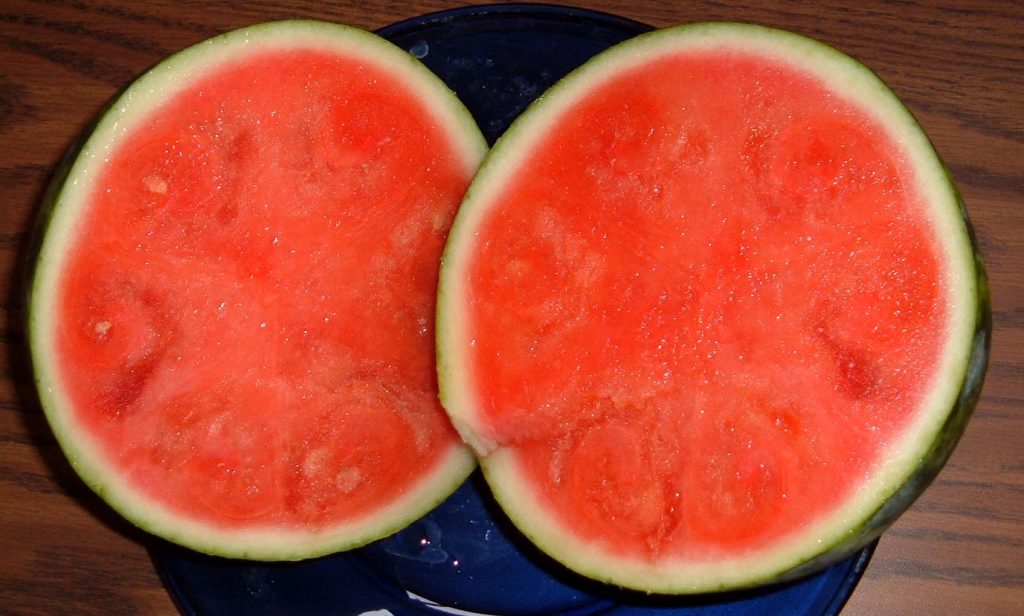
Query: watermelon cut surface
{"x": 711, "y": 313}
{"x": 232, "y": 316}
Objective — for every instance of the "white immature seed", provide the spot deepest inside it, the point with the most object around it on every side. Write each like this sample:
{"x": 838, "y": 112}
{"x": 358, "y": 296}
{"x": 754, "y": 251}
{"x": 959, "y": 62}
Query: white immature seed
{"x": 155, "y": 184}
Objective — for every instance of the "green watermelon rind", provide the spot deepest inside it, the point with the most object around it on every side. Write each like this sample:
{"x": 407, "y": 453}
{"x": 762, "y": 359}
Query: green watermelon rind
{"x": 55, "y": 227}
{"x": 911, "y": 465}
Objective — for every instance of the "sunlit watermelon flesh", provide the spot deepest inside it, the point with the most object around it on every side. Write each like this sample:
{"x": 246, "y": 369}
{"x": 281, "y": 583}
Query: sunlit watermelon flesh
{"x": 727, "y": 301}
{"x": 248, "y": 311}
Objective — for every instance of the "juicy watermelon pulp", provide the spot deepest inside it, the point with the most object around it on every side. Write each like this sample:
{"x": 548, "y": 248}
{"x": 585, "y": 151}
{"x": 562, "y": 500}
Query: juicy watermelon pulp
{"x": 699, "y": 220}
{"x": 706, "y": 309}
{"x": 233, "y": 314}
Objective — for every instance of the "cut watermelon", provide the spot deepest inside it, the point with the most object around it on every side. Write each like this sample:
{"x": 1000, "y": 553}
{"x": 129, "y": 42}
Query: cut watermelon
{"x": 711, "y": 313}
{"x": 232, "y": 315}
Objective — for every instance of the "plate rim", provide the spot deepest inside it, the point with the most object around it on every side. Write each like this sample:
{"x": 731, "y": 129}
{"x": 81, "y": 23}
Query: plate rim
{"x": 550, "y": 11}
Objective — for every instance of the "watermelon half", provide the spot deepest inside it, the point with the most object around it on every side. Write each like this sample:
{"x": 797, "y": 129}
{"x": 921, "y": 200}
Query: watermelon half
{"x": 711, "y": 313}
{"x": 232, "y": 313}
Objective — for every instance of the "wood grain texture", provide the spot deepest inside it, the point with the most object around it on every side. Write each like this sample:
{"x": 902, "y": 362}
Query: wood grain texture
{"x": 959, "y": 66}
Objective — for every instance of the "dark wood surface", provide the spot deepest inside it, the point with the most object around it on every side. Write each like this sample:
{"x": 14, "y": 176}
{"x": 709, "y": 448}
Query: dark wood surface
{"x": 958, "y": 65}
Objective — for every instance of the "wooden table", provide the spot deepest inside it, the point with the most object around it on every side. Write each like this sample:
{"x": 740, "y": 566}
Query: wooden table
{"x": 959, "y": 67}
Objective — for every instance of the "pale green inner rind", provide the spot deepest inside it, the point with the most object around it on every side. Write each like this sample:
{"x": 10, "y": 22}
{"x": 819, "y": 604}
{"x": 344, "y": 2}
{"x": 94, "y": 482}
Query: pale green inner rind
{"x": 65, "y": 209}
{"x": 851, "y": 80}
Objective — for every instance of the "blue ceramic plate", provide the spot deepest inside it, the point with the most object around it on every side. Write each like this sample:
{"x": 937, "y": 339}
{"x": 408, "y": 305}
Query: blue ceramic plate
{"x": 464, "y": 557}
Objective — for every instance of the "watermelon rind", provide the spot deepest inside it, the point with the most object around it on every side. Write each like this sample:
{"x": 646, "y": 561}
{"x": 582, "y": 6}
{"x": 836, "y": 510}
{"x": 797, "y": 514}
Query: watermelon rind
{"x": 907, "y": 467}
{"x": 62, "y": 208}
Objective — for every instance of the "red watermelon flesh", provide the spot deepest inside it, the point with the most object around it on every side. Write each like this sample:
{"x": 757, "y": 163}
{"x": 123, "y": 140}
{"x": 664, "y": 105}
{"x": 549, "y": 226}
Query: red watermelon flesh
{"x": 246, "y": 309}
{"x": 728, "y": 298}
{"x": 706, "y": 309}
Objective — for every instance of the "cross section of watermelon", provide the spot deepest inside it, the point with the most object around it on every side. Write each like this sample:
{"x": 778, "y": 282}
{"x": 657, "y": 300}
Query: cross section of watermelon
{"x": 711, "y": 313}
{"x": 232, "y": 315}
